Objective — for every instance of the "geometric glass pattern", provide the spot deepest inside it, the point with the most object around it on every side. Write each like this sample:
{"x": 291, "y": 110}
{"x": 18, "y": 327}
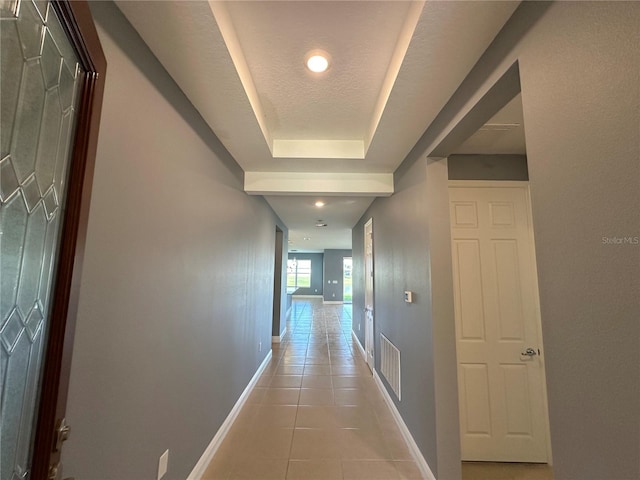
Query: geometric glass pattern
{"x": 39, "y": 96}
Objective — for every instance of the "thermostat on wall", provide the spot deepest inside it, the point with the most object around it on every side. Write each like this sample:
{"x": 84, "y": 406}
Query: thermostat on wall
{"x": 408, "y": 296}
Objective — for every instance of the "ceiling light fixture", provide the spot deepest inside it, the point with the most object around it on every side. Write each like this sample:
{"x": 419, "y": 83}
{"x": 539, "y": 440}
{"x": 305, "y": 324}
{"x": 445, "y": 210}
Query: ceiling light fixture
{"x": 319, "y": 204}
{"x": 320, "y": 223}
{"x": 317, "y": 61}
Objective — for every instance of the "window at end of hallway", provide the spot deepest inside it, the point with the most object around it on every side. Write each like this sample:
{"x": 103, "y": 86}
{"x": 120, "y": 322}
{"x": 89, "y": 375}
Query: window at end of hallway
{"x": 298, "y": 273}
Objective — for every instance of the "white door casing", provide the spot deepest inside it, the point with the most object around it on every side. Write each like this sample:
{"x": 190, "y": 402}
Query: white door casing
{"x": 502, "y": 393}
{"x": 368, "y": 294}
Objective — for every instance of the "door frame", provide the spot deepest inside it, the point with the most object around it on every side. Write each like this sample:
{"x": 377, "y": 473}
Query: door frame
{"x": 277, "y": 334}
{"x": 78, "y": 22}
{"x": 369, "y": 336}
{"x": 525, "y": 185}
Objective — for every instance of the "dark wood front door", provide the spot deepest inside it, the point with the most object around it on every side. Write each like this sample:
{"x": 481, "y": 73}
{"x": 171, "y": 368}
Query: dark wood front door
{"x": 52, "y": 70}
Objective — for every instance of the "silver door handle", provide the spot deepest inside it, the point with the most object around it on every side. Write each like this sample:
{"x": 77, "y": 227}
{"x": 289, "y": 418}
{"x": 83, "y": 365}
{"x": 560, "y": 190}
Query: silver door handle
{"x": 529, "y": 352}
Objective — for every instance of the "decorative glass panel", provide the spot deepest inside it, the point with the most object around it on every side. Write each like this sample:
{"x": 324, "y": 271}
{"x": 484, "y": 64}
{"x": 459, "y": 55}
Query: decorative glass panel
{"x": 10, "y": 72}
{"x": 8, "y": 8}
{"x": 39, "y": 83}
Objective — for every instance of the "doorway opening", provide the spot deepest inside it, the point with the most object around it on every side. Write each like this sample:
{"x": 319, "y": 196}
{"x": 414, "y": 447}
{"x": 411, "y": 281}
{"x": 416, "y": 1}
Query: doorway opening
{"x": 347, "y": 280}
{"x": 368, "y": 295}
{"x": 277, "y": 332}
{"x": 504, "y": 422}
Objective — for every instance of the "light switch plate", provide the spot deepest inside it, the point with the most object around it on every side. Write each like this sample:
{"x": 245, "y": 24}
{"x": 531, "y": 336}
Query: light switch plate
{"x": 163, "y": 464}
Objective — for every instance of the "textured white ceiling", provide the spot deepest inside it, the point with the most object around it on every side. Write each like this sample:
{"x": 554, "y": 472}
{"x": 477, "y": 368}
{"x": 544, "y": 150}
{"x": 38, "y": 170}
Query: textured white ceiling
{"x": 298, "y": 104}
{"x": 241, "y": 65}
{"x": 340, "y": 213}
{"x": 502, "y": 134}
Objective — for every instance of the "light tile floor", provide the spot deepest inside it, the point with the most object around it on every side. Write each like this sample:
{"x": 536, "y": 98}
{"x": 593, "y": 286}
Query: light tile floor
{"x": 505, "y": 471}
{"x": 316, "y": 412}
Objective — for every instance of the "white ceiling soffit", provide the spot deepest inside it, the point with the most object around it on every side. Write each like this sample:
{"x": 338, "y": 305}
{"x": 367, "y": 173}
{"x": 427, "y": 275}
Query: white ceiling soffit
{"x": 287, "y": 104}
{"x": 305, "y": 183}
{"x": 394, "y": 65}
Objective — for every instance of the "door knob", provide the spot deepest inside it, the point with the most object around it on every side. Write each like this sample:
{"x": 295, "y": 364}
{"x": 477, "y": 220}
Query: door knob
{"x": 62, "y": 434}
{"x": 529, "y": 352}
{"x": 54, "y": 472}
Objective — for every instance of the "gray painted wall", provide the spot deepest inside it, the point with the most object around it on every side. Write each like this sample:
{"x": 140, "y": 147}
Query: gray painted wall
{"x": 582, "y": 126}
{"x": 487, "y": 167}
{"x": 333, "y": 270}
{"x": 177, "y": 282}
{"x": 579, "y": 71}
{"x": 443, "y": 319}
{"x": 357, "y": 273}
{"x": 317, "y": 260}
{"x": 403, "y": 261}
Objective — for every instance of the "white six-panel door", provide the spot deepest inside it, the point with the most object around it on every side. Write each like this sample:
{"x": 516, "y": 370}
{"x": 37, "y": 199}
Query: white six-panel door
{"x": 502, "y": 397}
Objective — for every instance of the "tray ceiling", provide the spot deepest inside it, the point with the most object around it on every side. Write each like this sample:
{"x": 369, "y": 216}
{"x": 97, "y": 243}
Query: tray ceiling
{"x": 393, "y": 67}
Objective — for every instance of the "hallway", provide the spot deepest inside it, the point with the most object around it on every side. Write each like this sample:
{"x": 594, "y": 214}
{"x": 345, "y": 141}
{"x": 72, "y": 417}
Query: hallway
{"x": 316, "y": 412}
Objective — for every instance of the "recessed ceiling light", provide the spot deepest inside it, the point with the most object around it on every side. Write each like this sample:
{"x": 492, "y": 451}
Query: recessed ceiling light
{"x": 319, "y": 204}
{"x": 307, "y": 238}
{"x": 317, "y": 61}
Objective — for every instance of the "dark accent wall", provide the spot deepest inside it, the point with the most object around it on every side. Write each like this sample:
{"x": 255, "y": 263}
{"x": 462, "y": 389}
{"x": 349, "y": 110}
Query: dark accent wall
{"x": 317, "y": 261}
{"x": 584, "y": 174}
{"x": 487, "y": 167}
{"x": 357, "y": 274}
{"x": 177, "y": 283}
{"x": 403, "y": 261}
{"x": 334, "y": 271}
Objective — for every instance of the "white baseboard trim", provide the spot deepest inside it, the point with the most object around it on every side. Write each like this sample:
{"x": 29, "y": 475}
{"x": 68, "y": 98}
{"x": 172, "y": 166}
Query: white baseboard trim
{"x": 210, "y": 451}
{"x": 422, "y": 464}
{"x": 307, "y": 296}
{"x": 278, "y": 339}
{"x": 360, "y": 347}
{"x": 332, "y": 302}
